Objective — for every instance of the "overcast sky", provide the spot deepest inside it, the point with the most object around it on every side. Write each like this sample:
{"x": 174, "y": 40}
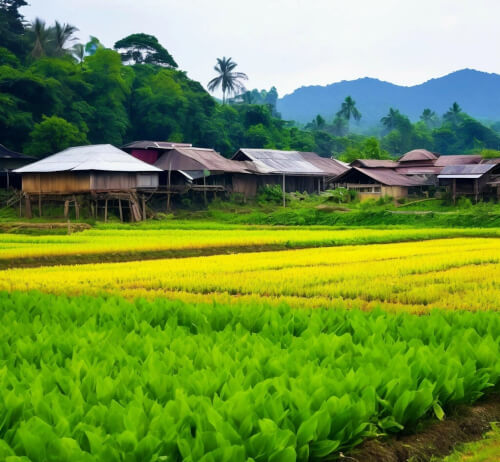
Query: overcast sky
{"x": 293, "y": 43}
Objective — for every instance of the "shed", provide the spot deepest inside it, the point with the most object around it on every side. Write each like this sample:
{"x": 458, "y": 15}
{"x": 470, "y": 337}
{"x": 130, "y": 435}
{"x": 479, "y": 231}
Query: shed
{"x": 293, "y": 170}
{"x": 473, "y": 179}
{"x": 10, "y": 160}
{"x": 377, "y": 182}
{"x": 86, "y": 169}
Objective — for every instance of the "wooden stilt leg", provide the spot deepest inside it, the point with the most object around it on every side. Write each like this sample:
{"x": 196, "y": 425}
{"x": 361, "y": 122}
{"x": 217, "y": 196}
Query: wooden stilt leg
{"x": 28, "y": 206}
{"x": 120, "y": 209}
{"x": 40, "y": 205}
{"x": 66, "y": 209}
{"x": 143, "y": 208}
{"x": 77, "y": 210}
{"x": 106, "y": 211}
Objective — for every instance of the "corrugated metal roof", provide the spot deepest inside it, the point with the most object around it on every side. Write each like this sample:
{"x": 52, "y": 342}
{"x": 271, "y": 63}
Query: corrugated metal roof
{"x": 466, "y": 171}
{"x": 374, "y": 163}
{"x": 8, "y": 154}
{"x": 424, "y": 170}
{"x": 102, "y": 157}
{"x": 154, "y": 145}
{"x": 384, "y": 176}
{"x": 189, "y": 159}
{"x": 272, "y": 161}
{"x": 418, "y": 154}
{"x": 327, "y": 165}
{"x": 462, "y": 159}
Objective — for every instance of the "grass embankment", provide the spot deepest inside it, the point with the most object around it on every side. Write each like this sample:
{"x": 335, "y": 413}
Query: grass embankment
{"x": 100, "y": 379}
{"x": 454, "y": 274}
{"x": 485, "y": 450}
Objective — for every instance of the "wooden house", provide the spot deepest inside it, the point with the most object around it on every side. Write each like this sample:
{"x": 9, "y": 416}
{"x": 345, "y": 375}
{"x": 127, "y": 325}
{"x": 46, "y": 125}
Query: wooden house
{"x": 292, "y": 170}
{"x": 9, "y": 161}
{"x": 475, "y": 180}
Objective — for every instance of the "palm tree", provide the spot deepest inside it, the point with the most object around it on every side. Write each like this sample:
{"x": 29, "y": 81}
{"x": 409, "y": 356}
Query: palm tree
{"x": 454, "y": 114}
{"x": 40, "y": 37}
{"x": 318, "y": 123}
{"x": 78, "y": 51}
{"x": 339, "y": 126}
{"x": 348, "y": 109}
{"x": 429, "y": 117}
{"x": 229, "y": 81}
{"x": 63, "y": 34}
{"x": 390, "y": 121}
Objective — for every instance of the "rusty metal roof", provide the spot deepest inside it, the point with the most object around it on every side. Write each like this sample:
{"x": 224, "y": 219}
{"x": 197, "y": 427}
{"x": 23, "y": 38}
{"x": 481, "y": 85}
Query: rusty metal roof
{"x": 444, "y": 161}
{"x": 418, "y": 155}
{"x": 466, "y": 171}
{"x": 374, "y": 163}
{"x": 154, "y": 145}
{"x": 383, "y": 176}
{"x": 102, "y": 157}
{"x": 189, "y": 159}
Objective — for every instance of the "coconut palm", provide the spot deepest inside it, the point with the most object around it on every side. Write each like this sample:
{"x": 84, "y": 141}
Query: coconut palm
{"x": 348, "y": 109}
{"x": 40, "y": 37}
{"x": 78, "y": 51}
{"x": 229, "y": 81}
{"x": 391, "y": 120}
{"x": 429, "y": 117}
{"x": 63, "y": 35}
{"x": 454, "y": 114}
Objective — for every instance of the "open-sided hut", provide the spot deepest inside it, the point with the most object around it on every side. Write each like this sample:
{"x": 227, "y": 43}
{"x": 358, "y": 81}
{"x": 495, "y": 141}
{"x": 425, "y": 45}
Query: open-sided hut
{"x": 293, "y": 170}
{"x": 9, "y": 161}
{"x": 99, "y": 171}
{"x": 477, "y": 180}
{"x": 377, "y": 182}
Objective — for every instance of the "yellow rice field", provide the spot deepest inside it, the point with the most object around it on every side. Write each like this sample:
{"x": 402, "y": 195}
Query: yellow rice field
{"x": 116, "y": 241}
{"x": 460, "y": 273}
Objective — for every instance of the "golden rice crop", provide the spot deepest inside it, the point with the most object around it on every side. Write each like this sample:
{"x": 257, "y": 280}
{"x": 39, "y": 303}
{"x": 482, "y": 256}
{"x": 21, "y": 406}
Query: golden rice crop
{"x": 109, "y": 241}
{"x": 461, "y": 273}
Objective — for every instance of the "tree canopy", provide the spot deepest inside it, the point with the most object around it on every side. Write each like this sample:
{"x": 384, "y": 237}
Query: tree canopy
{"x": 144, "y": 49}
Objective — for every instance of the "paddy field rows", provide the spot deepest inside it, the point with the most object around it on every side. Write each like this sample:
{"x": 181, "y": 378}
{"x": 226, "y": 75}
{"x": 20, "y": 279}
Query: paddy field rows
{"x": 284, "y": 355}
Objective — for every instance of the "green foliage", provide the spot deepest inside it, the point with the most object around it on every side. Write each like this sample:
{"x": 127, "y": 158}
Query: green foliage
{"x": 369, "y": 149}
{"x": 99, "y": 379}
{"x": 490, "y": 154}
{"x": 270, "y": 194}
{"x": 144, "y": 49}
{"x": 54, "y": 134}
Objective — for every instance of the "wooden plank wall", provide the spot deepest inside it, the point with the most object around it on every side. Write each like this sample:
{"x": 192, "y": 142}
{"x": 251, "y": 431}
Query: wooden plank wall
{"x": 57, "y": 182}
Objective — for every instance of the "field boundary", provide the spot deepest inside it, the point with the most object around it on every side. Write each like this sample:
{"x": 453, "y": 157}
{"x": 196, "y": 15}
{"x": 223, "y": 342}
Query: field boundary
{"x": 464, "y": 424}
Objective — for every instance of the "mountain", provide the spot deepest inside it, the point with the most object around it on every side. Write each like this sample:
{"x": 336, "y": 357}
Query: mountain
{"x": 478, "y": 93}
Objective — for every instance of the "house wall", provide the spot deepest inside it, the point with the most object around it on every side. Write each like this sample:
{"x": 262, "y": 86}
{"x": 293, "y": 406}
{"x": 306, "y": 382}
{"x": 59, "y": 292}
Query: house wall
{"x": 56, "y": 182}
{"x": 245, "y": 184}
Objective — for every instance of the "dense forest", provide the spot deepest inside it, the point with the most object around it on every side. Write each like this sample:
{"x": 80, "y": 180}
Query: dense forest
{"x": 56, "y": 92}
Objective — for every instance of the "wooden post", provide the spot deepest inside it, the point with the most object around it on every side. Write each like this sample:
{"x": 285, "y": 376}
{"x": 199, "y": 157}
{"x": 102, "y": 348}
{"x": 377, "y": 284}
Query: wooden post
{"x": 120, "y": 209}
{"x": 69, "y": 227}
{"x": 476, "y": 189}
{"x": 40, "y": 205}
{"x": 454, "y": 189}
{"x": 66, "y": 209}
{"x": 319, "y": 185}
{"x": 77, "y": 210}
{"x": 143, "y": 208}
{"x": 168, "y": 185}
{"x": 8, "y": 182}
{"x": 28, "y": 206}
{"x": 106, "y": 211}
{"x": 284, "y": 197}
{"x": 92, "y": 213}
{"x": 204, "y": 188}
{"x": 20, "y": 206}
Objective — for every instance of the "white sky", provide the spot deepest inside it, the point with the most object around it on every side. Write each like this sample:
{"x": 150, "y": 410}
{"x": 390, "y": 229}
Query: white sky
{"x": 293, "y": 43}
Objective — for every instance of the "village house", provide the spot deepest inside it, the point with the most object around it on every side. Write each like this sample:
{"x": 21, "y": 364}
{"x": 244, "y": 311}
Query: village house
{"x": 98, "y": 173}
{"x": 9, "y": 161}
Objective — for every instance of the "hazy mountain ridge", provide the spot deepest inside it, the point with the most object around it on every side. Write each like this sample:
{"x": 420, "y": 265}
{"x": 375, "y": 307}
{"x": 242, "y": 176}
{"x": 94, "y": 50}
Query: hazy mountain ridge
{"x": 478, "y": 93}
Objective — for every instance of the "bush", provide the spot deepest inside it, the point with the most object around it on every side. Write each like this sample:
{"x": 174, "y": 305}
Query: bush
{"x": 273, "y": 194}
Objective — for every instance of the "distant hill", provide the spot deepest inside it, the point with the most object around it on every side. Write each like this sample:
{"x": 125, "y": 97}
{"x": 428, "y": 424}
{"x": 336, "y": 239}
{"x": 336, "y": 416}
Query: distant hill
{"x": 478, "y": 93}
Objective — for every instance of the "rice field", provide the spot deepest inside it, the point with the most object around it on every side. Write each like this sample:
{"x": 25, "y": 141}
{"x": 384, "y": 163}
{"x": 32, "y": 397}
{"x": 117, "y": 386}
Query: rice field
{"x": 285, "y": 355}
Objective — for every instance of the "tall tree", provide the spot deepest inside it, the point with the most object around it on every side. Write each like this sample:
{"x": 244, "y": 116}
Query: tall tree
{"x": 78, "y": 51}
{"x": 429, "y": 117}
{"x": 41, "y": 39}
{"x": 144, "y": 49}
{"x": 93, "y": 45}
{"x": 63, "y": 34}
{"x": 392, "y": 119}
{"x": 12, "y": 26}
{"x": 454, "y": 114}
{"x": 228, "y": 80}
{"x": 348, "y": 109}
